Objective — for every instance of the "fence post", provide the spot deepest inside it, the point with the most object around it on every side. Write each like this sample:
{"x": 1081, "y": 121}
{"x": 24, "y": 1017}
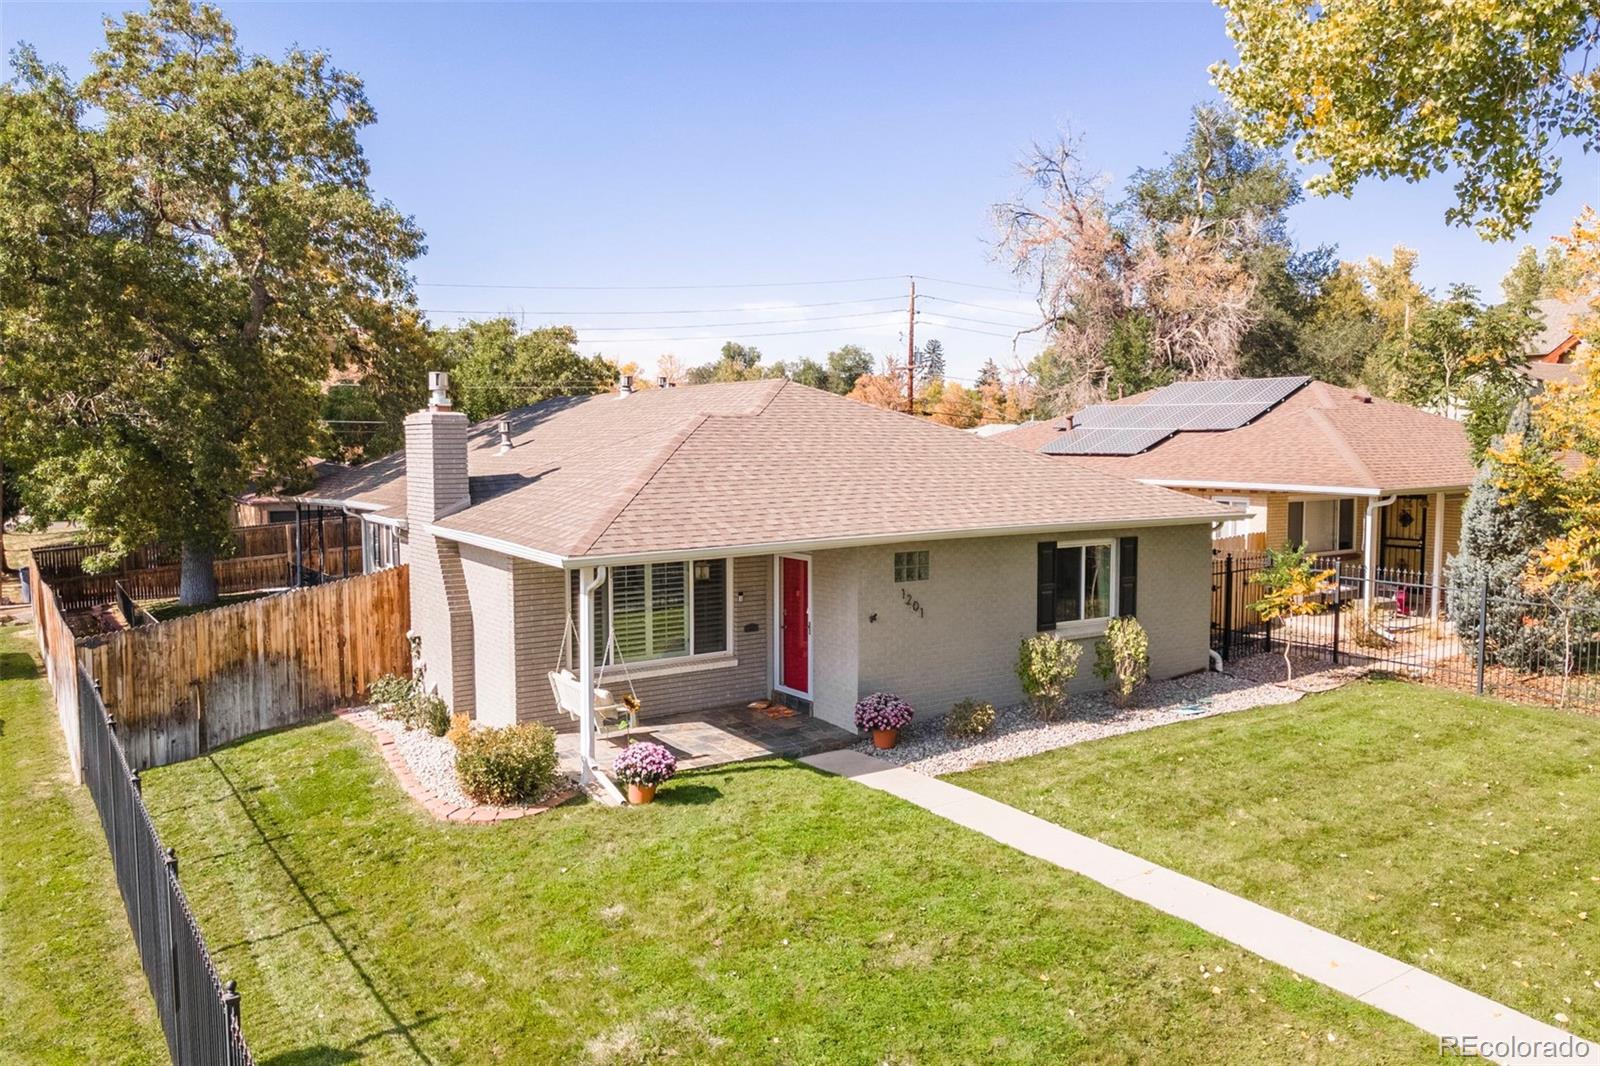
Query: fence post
{"x": 230, "y": 1004}
{"x": 1483, "y": 629}
{"x": 1227, "y": 607}
{"x": 138, "y": 786}
{"x": 1338, "y": 589}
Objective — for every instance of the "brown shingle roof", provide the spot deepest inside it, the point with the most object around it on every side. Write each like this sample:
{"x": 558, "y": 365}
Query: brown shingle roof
{"x": 749, "y": 464}
{"x": 1321, "y": 436}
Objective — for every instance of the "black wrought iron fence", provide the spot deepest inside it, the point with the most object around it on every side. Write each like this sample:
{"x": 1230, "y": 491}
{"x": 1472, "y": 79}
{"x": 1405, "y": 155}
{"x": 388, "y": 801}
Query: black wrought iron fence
{"x": 1521, "y": 648}
{"x": 199, "y": 1014}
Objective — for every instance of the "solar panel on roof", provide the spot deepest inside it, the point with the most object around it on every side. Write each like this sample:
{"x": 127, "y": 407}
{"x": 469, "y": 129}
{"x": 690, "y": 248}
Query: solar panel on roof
{"x": 1106, "y": 441}
{"x": 1196, "y": 406}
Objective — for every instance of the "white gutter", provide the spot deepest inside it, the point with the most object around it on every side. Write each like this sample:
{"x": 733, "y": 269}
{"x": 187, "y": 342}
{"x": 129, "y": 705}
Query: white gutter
{"x": 1310, "y": 490}
{"x": 723, "y": 551}
{"x": 337, "y": 505}
{"x": 1369, "y": 553}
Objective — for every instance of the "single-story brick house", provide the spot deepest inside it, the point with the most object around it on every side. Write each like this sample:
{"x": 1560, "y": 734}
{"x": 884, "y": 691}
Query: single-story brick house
{"x": 754, "y": 539}
{"x": 1355, "y": 478}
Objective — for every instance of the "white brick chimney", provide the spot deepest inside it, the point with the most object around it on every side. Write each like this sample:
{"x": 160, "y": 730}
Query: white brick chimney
{"x": 436, "y": 456}
{"x": 436, "y": 486}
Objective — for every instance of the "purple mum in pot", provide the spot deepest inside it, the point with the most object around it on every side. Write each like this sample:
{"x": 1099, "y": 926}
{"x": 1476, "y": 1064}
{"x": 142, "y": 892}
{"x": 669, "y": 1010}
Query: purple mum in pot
{"x": 882, "y": 710}
{"x": 645, "y": 763}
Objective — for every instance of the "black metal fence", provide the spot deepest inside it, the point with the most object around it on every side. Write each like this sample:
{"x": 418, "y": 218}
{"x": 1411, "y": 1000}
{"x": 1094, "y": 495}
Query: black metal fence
{"x": 199, "y": 1014}
{"x": 1520, "y": 648}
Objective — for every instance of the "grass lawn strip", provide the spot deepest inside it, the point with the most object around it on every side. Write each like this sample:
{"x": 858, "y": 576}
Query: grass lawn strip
{"x": 1457, "y": 834}
{"x": 760, "y": 912}
{"x": 71, "y": 990}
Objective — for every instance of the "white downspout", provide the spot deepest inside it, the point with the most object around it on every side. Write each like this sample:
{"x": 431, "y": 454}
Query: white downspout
{"x": 1438, "y": 556}
{"x": 590, "y": 578}
{"x": 1369, "y": 553}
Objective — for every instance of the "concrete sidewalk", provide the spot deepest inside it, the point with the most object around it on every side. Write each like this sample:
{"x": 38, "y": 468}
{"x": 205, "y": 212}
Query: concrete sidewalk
{"x": 1431, "y": 1003}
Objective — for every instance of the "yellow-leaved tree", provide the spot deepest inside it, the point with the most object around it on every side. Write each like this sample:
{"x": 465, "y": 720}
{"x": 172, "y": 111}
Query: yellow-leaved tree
{"x": 1296, "y": 588}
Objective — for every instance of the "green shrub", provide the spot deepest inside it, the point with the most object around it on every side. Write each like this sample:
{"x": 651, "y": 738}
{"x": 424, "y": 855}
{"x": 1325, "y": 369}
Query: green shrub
{"x": 512, "y": 765}
{"x": 1044, "y": 666}
{"x": 460, "y": 726}
{"x": 1122, "y": 657}
{"x": 425, "y": 710}
{"x": 969, "y": 718}
{"x": 389, "y": 693}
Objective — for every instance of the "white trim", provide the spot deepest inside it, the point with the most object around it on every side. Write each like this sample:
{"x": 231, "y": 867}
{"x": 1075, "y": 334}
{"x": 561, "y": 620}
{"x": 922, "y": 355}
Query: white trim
{"x": 777, "y": 627}
{"x": 802, "y": 547}
{"x": 504, "y": 547}
{"x": 383, "y": 520}
{"x": 1095, "y": 626}
{"x": 1437, "y": 569}
{"x": 348, "y": 505}
{"x": 668, "y": 667}
{"x": 1309, "y": 490}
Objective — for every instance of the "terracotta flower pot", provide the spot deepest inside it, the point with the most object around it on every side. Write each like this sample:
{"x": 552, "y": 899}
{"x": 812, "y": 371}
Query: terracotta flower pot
{"x": 638, "y": 793}
{"x": 885, "y": 738}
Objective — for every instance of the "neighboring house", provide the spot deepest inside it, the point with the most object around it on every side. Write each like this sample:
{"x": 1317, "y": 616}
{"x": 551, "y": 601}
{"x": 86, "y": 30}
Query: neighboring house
{"x": 761, "y": 539}
{"x": 1353, "y": 477}
{"x": 1553, "y": 349}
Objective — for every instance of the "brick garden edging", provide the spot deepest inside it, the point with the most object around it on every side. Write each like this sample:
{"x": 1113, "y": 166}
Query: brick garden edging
{"x": 443, "y": 809}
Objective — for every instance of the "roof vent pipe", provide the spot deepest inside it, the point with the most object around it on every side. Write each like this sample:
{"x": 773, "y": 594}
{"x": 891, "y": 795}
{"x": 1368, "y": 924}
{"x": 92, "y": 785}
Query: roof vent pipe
{"x": 503, "y": 427}
{"x": 661, "y": 381}
{"x": 1072, "y": 423}
{"x": 438, "y": 390}
{"x": 625, "y": 384}
{"x": 672, "y": 384}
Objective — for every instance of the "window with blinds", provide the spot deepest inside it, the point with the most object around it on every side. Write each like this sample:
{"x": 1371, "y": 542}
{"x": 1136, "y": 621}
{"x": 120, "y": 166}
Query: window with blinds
{"x": 654, "y": 614}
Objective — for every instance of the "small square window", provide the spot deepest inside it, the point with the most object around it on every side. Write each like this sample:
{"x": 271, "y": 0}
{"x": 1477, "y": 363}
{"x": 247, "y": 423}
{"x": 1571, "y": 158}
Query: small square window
{"x": 910, "y": 566}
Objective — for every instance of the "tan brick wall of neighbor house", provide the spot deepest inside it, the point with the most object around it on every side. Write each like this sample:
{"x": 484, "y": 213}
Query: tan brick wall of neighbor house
{"x": 1453, "y": 506}
{"x": 979, "y": 601}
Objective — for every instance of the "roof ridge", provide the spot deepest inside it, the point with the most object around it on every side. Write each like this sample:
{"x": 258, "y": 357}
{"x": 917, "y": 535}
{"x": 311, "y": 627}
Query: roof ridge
{"x": 630, "y": 492}
{"x": 1341, "y": 444}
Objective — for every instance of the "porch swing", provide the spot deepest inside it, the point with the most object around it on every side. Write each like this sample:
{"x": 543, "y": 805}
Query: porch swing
{"x": 568, "y": 690}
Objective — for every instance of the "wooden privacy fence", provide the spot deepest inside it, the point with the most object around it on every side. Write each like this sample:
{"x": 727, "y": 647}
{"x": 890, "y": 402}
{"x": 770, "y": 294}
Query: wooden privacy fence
{"x": 182, "y": 687}
{"x": 58, "y": 561}
{"x": 59, "y": 648}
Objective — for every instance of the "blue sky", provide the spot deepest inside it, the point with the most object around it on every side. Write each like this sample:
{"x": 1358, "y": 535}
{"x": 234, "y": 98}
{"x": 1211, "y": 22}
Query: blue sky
{"x": 629, "y": 146}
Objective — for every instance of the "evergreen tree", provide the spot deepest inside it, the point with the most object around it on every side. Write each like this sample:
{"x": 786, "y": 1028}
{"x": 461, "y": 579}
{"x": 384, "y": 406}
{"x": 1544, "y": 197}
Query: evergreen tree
{"x": 1498, "y": 538}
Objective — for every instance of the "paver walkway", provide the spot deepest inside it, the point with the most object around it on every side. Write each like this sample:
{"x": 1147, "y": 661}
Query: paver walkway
{"x": 1431, "y": 1003}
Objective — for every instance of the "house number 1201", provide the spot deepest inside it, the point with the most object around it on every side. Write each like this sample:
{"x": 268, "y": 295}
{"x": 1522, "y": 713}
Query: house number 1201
{"x": 914, "y": 604}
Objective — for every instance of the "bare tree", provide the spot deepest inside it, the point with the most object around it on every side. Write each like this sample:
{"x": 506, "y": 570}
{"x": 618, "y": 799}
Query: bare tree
{"x": 1093, "y": 269}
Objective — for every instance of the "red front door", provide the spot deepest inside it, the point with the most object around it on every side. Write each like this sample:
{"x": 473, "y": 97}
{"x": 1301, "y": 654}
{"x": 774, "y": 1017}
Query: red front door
{"x": 795, "y": 623}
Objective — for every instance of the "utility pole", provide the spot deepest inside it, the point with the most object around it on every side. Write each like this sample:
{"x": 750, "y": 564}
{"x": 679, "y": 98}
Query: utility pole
{"x": 911, "y": 350}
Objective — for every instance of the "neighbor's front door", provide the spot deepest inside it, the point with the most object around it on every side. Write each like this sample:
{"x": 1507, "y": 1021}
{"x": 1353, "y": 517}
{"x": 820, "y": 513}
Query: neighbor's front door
{"x": 794, "y": 622}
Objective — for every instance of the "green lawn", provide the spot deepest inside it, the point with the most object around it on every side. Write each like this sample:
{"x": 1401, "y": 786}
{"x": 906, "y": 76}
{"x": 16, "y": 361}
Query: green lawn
{"x": 1458, "y": 834}
{"x": 757, "y": 913}
{"x": 71, "y": 990}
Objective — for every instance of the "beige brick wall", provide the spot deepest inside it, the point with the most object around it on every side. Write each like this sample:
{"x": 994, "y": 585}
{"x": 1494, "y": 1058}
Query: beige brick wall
{"x": 979, "y": 601}
{"x": 540, "y": 621}
{"x": 436, "y": 464}
{"x": 488, "y": 579}
{"x": 441, "y": 615}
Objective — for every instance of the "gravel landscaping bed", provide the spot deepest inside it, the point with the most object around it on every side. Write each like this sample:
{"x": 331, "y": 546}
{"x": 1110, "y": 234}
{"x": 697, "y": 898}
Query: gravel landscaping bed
{"x": 1017, "y": 733}
{"x": 433, "y": 760}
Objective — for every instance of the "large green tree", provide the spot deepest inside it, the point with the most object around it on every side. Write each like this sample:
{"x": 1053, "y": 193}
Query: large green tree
{"x": 1377, "y": 88}
{"x": 188, "y": 248}
{"x": 494, "y": 367}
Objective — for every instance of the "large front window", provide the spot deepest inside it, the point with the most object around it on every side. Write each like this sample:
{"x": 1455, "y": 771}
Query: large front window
{"x": 1323, "y": 525}
{"x": 1083, "y": 582}
{"x": 663, "y": 611}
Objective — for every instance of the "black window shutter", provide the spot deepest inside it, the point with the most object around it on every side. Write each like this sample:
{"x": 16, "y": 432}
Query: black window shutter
{"x": 710, "y": 606}
{"x": 1128, "y": 576}
{"x": 1047, "y": 584}
{"x": 1347, "y": 524}
{"x": 1297, "y": 524}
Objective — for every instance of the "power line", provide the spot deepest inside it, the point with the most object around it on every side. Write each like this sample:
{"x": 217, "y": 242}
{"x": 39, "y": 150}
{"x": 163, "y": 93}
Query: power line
{"x": 694, "y": 311}
{"x": 717, "y": 325}
{"x": 979, "y": 321}
{"x": 967, "y": 284}
{"x": 662, "y": 288}
{"x": 984, "y": 307}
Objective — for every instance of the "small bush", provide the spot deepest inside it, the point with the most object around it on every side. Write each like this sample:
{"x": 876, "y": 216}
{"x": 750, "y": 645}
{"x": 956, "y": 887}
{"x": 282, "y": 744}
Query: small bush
{"x": 460, "y": 726}
{"x": 969, "y": 718}
{"x": 1044, "y": 666}
{"x": 389, "y": 692}
{"x": 882, "y": 710}
{"x": 512, "y": 765}
{"x": 430, "y": 712}
{"x": 1122, "y": 657}
{"x": 644, "y": 763}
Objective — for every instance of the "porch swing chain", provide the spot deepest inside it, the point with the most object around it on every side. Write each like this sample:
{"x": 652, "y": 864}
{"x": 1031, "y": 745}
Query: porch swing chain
{"x": 564, "y": 657}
